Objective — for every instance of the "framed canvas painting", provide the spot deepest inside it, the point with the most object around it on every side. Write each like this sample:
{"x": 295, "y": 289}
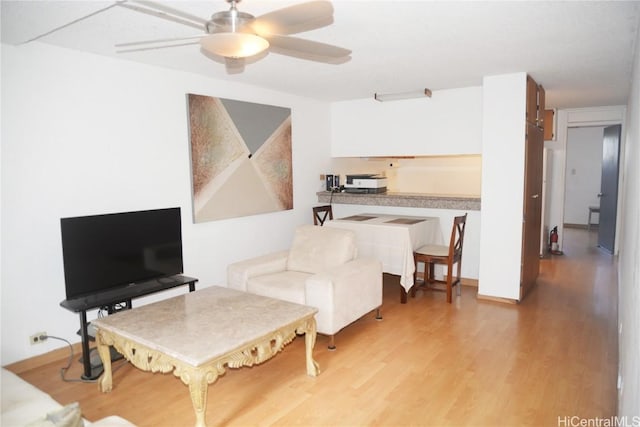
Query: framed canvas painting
{"x": 240, "y": 158}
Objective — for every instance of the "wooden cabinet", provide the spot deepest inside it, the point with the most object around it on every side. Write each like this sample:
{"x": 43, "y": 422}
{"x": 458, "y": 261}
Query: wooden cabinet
{"x": 535, "y": 103}
{"x": 532, "y": 207}
{"x": 540, "y": 108}
{"x": 549, "y": 125}
{"x": 532, "y": 101}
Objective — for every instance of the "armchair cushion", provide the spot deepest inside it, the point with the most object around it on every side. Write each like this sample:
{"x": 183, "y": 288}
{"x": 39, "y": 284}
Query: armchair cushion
{"x": 286, "y": 285}
{"x": 239, "y": 273}
{"x": 315, "y": 249}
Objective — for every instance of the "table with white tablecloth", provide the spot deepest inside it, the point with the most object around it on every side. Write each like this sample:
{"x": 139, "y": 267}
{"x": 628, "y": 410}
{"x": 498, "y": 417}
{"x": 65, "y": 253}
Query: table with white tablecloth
{"x": 392, "y": 239}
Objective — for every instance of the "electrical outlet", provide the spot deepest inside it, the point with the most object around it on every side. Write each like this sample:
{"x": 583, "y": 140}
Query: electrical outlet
{"x": 35, "y": 338}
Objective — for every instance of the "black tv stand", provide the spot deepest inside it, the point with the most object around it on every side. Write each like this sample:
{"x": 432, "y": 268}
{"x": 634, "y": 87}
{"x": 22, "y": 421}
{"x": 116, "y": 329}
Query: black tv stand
{"x": 110, "y": 299}
{"x": 95, "y": 362}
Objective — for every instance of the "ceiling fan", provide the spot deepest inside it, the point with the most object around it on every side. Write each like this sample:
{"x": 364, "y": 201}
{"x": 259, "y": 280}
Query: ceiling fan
{"x": 233, "y": 36}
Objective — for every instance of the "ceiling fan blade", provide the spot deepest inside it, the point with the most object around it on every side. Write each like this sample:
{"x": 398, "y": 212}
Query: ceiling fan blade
{"x": 165, "y": 46}
{"x": 295, "y": 19}
{"x": 307, "y": 49}
{"x": 193, "y": 21}
{"x": 159, "y": 41}
{"x": 75, "y": 21}
{"x": 176, "y": 12}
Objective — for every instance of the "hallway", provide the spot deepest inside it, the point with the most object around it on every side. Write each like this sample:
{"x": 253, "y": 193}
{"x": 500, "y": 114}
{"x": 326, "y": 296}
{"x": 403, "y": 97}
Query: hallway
{"x": 578, "y": 293}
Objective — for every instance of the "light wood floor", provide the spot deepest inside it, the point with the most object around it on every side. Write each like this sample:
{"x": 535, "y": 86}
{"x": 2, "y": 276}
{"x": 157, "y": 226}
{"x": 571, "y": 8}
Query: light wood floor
{"x": 474, "y": 363}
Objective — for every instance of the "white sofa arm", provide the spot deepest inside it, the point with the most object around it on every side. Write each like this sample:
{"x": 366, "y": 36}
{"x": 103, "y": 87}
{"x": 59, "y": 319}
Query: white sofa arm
{"x": 24, "y": 404}
{"x": 239, "y": 273}
{"x": 344, "y": 294}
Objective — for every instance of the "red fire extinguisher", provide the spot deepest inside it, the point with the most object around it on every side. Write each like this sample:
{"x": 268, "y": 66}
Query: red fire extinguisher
{"x": 553, "y": 240}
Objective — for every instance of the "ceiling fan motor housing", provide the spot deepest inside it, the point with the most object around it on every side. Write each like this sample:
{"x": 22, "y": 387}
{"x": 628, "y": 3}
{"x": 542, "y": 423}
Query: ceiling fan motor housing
{"x": 230, "y": 21}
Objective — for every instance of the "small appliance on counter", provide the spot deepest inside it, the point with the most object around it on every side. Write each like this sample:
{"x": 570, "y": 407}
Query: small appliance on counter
{"x": 365, "y": 184}
{"x": 332, "y": 182}
{"x": 329, "y": 182}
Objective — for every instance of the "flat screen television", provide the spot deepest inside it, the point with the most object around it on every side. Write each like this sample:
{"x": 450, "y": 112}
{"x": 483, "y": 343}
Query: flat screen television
{"x": 104, "y": 252}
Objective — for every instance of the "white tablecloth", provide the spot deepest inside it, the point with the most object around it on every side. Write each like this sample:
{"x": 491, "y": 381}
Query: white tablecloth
{"x": 392, "y": 239}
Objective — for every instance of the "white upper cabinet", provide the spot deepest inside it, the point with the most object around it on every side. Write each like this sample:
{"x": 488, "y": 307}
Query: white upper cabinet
{"x": 448, "y": 123}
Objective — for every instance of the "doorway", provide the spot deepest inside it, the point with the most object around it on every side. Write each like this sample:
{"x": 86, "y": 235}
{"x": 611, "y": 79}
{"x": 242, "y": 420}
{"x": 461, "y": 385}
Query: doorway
{"x": 592, "y": 164}
{"x": 555, "y": 198}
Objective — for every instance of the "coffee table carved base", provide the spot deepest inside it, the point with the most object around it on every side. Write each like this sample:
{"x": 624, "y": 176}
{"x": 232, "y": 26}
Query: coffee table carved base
{"x": 198, "y": 378}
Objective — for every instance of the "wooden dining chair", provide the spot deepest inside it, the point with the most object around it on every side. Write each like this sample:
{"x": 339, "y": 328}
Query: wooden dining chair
{"x": 431, "y": 255}
{"x": 320, "y": 214}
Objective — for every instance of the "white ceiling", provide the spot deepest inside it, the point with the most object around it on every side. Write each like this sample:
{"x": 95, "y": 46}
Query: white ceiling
{"x": 580, "y": 51}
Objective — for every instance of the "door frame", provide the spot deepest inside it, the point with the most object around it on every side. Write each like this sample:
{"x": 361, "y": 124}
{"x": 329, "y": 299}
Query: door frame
{"x": 581, "y": 117}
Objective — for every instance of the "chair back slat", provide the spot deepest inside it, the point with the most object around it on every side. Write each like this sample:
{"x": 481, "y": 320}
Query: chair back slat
{"x": 457, "y": 236}
{"x": 321, "y": 213}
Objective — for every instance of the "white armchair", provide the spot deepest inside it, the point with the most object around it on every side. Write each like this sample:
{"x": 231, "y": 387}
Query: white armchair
{"x": 321, "y": 270}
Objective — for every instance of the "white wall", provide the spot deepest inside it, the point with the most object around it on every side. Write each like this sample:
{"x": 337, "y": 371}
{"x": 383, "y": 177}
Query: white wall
{"x": 503, "y": 144}
{"x": 83, "y": 134}
{"x": 448, "y": 123}
{"x": 629, "y": 244}
{"x": 584, "y": 165}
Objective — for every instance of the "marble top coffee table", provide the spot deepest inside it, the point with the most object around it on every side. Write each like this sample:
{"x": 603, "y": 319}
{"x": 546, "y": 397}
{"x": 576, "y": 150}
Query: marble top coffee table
{"x": 197, "y": 335}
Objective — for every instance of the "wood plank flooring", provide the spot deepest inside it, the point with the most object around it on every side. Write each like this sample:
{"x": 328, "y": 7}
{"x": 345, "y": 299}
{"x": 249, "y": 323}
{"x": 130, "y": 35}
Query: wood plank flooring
{"x": 470, "y": 363}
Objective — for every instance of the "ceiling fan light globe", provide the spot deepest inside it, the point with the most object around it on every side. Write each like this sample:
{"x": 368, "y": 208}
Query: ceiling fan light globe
{"x": 234, "y": 45}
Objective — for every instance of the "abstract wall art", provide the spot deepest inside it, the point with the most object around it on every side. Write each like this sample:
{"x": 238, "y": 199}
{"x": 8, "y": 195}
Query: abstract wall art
{"x": 240, "y": 158}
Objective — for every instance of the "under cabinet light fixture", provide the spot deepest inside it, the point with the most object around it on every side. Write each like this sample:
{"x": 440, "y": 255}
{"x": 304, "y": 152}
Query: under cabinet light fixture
{"x": 422, "y": 93}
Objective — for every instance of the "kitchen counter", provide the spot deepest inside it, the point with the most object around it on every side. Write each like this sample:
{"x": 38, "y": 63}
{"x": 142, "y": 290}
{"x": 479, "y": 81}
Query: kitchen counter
{"x": 407, "y": 200}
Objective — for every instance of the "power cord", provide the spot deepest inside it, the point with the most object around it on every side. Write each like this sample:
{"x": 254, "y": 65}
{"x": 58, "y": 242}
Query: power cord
{"x": 64, "y": 370}
{"x": 333, "y": 190}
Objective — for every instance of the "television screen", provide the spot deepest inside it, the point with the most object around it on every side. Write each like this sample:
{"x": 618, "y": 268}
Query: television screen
{"x": 101, "y": 252}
